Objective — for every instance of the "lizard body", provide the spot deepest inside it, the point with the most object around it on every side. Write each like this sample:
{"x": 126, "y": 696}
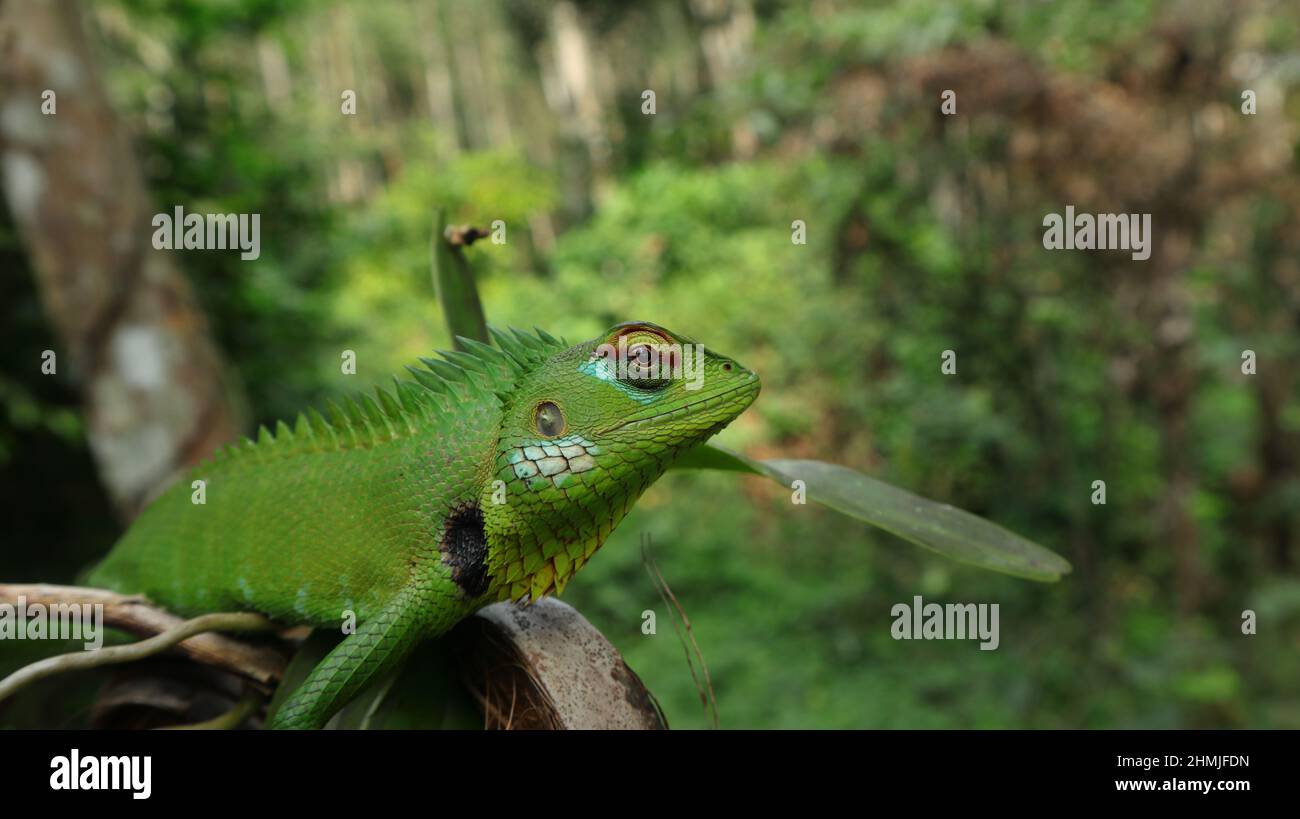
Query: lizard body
{"x": 495, "y": 475}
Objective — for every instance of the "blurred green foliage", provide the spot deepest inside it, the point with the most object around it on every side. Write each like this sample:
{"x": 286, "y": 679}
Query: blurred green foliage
{"x": 919, "y": 241}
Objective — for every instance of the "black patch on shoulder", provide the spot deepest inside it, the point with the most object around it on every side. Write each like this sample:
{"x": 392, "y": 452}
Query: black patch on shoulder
{"x": 464, "y": 549}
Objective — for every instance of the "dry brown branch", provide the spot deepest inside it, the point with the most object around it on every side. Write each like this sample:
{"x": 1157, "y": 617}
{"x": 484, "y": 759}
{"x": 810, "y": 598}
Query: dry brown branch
{"x": 259, "y": 664}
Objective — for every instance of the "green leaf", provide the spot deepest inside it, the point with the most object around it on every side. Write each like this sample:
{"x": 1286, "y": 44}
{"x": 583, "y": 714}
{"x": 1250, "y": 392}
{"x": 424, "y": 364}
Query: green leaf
{"x": 951, "y": 532}
{"x": 453, "y": 285}
{"x": 712, "y": 456}
{"x": 424, "y": 692}
{"x": 313, "y": 649}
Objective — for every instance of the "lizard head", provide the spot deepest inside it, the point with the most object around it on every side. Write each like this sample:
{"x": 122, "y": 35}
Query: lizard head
{"x": 584, "y": 433}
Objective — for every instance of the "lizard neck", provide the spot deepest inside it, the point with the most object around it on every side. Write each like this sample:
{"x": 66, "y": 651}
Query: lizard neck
{"x": 551, "y": 506}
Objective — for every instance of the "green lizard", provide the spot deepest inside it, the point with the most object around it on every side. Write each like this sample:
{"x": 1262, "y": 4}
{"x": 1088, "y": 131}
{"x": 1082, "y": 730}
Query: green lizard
{"x": 495, "y": 475}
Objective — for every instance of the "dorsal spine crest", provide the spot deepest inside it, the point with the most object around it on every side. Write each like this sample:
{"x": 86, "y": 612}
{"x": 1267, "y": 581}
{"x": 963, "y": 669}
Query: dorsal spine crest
{"x": 479, "y": 372}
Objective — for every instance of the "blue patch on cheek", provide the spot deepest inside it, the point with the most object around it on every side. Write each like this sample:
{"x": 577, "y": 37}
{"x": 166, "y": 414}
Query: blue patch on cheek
{"x": 599, "y": 369}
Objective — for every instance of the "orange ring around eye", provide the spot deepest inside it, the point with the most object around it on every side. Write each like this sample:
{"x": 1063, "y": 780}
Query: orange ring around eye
{"x": 636, "y": 329}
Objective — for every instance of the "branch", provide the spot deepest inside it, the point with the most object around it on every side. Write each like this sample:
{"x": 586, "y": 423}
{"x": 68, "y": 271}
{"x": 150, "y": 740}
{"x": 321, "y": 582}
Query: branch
{"x": 261, "y": 665}
{"x": 227, "y": 721}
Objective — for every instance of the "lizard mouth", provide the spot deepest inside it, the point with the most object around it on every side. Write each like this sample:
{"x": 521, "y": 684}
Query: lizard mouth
{"x": 750, "y": 386}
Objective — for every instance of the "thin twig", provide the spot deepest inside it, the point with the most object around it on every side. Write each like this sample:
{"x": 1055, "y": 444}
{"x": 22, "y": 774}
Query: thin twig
{"x": 227, "y": 721}
{"x": 708, "y": 700}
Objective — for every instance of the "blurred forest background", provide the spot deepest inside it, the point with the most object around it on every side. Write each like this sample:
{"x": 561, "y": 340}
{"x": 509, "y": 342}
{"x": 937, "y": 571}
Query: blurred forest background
{"x": 924, "y": 234}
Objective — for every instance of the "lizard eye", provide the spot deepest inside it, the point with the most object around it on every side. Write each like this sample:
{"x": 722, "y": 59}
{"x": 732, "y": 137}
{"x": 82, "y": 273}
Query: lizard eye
{"x": 649, "y": 367}
{"x": 642, "y": 362}
{"x": 550, "y": 420}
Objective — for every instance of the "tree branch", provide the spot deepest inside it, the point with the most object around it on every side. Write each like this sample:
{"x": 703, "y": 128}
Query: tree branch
{"x": 259, "y": 664}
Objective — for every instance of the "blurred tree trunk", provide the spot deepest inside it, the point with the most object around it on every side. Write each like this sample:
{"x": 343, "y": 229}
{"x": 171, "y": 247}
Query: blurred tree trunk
{"x": 1277, "y": 457}
{"x": 155, "y": 393}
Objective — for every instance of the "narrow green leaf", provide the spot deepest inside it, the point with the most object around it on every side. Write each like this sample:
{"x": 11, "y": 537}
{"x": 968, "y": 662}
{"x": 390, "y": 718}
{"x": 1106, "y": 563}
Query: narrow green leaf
{"x": 454, "y": 287}
{"x": 424, "y": 692}
{"x": 951, "y": 532}
{"x": 313, "y": 650}
{"x": 710, "y": 456}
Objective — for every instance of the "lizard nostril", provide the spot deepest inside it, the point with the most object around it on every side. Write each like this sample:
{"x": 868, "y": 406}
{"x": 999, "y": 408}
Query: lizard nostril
{"x": 727, "y": 366}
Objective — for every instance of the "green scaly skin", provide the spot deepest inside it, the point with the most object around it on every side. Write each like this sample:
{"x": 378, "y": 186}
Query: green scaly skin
{"x": 417, "y": 507}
